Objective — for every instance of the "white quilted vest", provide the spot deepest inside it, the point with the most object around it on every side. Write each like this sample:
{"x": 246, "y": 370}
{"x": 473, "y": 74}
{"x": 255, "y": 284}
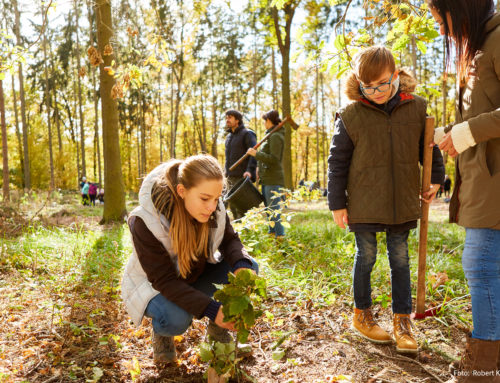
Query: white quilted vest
{"x": 137, "y": 291}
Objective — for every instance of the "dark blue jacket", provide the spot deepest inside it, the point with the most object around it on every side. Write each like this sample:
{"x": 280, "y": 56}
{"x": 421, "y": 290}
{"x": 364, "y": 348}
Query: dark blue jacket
{"x": 237, "y": 144}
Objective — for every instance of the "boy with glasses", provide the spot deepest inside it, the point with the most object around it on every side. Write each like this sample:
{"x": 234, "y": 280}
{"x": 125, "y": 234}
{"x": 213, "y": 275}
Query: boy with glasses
{"x": 373, "y": 182}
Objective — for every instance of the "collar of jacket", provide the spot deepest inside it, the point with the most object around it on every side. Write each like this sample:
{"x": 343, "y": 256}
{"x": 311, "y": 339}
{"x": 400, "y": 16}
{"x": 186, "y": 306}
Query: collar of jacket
{"x": 238, "y": 128}
{"x": 493, "y": 22}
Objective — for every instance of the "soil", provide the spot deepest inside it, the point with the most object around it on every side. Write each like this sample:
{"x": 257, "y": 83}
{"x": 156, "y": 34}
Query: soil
{"x": 38, "y": 343}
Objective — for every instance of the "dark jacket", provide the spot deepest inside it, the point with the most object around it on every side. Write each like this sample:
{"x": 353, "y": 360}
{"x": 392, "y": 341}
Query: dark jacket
{"x": 269, "y": 159}
{"x": 237, "y": 144}
{"x": 476, "y": 196}
{"x": 374, "y": 157}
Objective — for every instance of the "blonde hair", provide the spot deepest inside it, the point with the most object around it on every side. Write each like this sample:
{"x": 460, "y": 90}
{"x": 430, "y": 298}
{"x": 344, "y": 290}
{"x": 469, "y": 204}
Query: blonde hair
{"x": 190, "y": 238}
{"x": 370, "y": 63}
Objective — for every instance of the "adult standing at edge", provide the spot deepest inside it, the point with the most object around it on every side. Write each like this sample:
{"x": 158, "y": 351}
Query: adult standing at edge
{"x": 271, "y": 174}
{"x": 473, "y": 28}
{"x": 238, "y": 141}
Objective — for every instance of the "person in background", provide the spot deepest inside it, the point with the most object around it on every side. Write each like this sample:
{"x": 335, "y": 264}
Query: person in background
{"x": 183, "y": 244}
{"x": 271, "y": 174}
{"x": 92, "y": 193}
{"x": 447, "y": 186}
{"x": 237, "y": 143}
{"x": 374, "y": 180}
{"x": 85, "y": 192}
{"x": 472, "y": 27}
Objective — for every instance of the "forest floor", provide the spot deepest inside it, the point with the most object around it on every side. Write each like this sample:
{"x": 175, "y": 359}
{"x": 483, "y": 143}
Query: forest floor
{"x": 61, "y": 318}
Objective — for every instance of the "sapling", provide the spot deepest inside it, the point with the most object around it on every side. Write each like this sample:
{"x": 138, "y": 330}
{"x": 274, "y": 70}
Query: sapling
{"x": 241, "y": 300}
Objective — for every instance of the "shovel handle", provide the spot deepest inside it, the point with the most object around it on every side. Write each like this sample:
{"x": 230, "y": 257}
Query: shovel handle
{"x": 424, "y": 221}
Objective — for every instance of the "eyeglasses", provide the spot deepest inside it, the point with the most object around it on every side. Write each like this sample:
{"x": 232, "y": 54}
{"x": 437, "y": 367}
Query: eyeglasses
{"x": 384, "y": 87}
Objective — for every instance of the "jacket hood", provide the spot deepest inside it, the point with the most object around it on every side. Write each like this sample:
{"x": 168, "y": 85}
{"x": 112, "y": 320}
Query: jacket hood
{"x": 407, "y": 84}
{"x": 493, "y": 23}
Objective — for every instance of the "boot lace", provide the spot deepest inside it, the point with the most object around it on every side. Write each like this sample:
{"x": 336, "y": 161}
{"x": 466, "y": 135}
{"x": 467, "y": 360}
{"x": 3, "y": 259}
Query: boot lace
{"x": 404, "y": 326}
{"x": 366, "y": 318}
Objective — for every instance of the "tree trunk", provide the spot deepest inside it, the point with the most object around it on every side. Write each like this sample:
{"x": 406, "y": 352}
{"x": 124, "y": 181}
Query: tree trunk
{"x": 114, "y": 202}
{"x": 18, "y": 131}
{"x": 80, "y": 109}
{"x": 97, "y": 142}
{"x": 47, "y": 100}
{"x": 323, "y": 118}
{"x": 317, "y": 121}
{"x": 27, "y": 172}
{"x": 273, "y": 75}
{"x": 5, "y": 153}
{"x": 284, "y": 43}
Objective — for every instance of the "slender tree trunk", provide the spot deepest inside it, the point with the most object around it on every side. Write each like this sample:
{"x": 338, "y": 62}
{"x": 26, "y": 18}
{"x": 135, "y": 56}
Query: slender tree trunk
{"x": 80, "y": 108}
{"x": 114, "y": 203}
{"x": 284, "y": 43}
{"x": 95, "y": 97}
{"x": 143, "y": 134}
{"x": 172, "y": 129}
{"x": 323, "y": 118}
{"x": 5, "y": 152}
{"x": 47, "y": 101}
{"x": 317, "y": 121}
{"x": 18, "y": 131}
{"x": 160, "y": 117}
{"x": 274, "y": 78}
{"x": 27, "y": 172}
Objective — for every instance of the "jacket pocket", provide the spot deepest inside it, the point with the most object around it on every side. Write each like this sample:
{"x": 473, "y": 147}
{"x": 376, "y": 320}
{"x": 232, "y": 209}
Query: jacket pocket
{"x": 492, "y": 156}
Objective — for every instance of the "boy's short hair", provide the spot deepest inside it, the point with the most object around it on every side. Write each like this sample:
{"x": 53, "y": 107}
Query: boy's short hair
{"x": 370, "y": 63}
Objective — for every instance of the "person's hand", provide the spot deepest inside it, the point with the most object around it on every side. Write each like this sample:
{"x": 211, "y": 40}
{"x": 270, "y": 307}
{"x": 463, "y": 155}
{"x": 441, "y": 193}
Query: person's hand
{"x": 247, "y": 174}
{"x": 251, "y": 152}
{"x": 429, "y": 195}
{"x": 219, "y": 321}
{"x": 446, "y": 145}
{"x": 243, "y": 268}
{"x": 340, "y": 218}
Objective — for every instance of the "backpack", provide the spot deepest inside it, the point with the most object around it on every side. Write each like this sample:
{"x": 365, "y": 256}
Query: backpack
{"x": 93, "y": 189}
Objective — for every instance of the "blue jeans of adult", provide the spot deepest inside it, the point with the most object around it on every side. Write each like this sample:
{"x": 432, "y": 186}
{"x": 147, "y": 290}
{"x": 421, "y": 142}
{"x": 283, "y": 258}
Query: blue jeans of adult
{"x": 366, "y": 255}
{"x": 481, "y": 263}
{"x": 272, "y": 199}
{"x": 169, "y": 319}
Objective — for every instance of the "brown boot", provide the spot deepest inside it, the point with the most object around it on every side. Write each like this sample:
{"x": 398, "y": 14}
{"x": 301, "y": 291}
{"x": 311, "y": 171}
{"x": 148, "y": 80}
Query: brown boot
{"x": 405, "y": 343}
{"x": 163, "y": 348}
{"x": 365, "y": 325}
{"x": 479, "y": 363}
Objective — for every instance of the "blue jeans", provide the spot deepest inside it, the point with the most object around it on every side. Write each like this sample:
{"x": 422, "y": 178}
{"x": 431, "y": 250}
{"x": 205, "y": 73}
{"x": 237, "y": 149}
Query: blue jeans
{"x": 481, "y": 263}
{"x": 169, "y": 319}
{"x": 272, "y": 201}
{"x": 366, "y": 255}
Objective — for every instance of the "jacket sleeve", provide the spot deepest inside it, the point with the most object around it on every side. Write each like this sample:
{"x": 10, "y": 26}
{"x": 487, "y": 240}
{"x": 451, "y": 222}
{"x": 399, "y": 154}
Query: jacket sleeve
{"x": 487, "y": 125}
{"x": 438, "y": 170}
{"x": 250, "y": 142}
{"x": 275, "y": 150}
{"x": 232, "y": 249}
{"x": 339, "y": 161}
{"x": 161, "y": 272}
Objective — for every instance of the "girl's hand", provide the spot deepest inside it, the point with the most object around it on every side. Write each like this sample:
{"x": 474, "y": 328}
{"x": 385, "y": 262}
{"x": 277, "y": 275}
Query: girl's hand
{"x": 340, "y": 218}
{"x": 219, "y": 321}
{"x": 251, "y": 152}
{"x": 446, "y": 145}
{"x": 429, "y": 195}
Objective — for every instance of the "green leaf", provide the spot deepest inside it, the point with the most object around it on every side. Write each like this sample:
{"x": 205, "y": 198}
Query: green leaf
{"x": 340, "y": 42}
{"x": 238, "y": 305}
{"x": 422, "y": 47}
{"x": 401, "y": 43}
{"x": 248, "y": 317}
{"x": 278, "y": 354}
{"x": 206, "y": 354}
{"x": 243, "y": 335}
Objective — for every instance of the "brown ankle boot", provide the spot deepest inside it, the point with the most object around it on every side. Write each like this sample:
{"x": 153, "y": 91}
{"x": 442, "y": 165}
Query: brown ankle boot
{"x": 365, "y": 325}
{"x": 163, "y": 348}
{"x": 479, "y": 363}
{"x": 405, "y": 342}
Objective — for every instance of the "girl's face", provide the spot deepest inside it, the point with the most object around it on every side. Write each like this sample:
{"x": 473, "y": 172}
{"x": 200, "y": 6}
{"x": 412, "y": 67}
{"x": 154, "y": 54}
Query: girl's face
{"x": 440, "y": 21}
{"x": 268, "y": 124}
{"x": 201, "y": 200}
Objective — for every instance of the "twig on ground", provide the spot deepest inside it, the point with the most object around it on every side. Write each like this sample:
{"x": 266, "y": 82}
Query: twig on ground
{"x": 32, "y": 369}
{"x": 406, "y": 359}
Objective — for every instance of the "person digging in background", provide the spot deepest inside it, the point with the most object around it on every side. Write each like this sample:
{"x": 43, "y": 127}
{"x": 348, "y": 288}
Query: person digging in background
{"x": 373, "y": 182}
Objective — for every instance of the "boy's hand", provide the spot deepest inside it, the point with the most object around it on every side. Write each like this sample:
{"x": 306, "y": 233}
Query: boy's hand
{"x": 251, "y": 152}
{"x": 340, "y": 218}
{"x": 446, "y": 145}
{"x": 429, "y": 195}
